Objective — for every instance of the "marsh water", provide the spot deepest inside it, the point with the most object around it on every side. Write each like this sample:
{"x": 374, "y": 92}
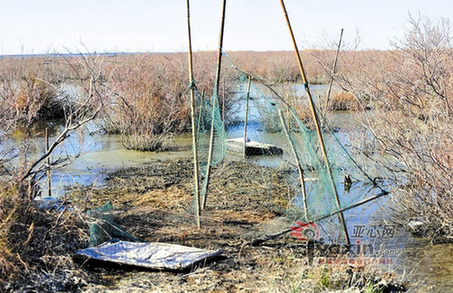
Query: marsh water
{"x": 371, "y": 226}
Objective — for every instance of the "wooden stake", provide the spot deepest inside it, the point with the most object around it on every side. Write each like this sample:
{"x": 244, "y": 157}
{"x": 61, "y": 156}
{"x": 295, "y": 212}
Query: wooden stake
{"x": 214, "y": 104}
{"x": 296, "y": 158}
{"x": 192, "y": 114}
{"x": 49, "y": 177}
{"x": 246, "y": 115}
{"x": 334, "y": 68}
{"x": 316, "y": 121}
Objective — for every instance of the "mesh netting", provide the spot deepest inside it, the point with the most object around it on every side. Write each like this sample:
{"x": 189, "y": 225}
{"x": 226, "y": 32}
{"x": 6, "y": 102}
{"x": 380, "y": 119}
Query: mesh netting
{"x": 102, "y": 227}
{"x": 270, "y": 147}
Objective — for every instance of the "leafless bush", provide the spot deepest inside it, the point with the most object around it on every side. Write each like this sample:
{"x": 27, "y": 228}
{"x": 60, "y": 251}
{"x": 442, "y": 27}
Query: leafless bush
{"x": 23, "y": 229}
{"x": 151, "y": 96}
{"x": 409, "y": 93}
{"x": 28, "y": 91}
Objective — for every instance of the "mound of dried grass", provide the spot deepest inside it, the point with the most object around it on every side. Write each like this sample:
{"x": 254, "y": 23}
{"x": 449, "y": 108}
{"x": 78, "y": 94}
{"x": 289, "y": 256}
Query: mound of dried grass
{"x": 36, "y": 246}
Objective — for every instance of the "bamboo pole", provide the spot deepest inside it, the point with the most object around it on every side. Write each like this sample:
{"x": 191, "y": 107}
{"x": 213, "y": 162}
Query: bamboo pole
{"x": 296, "y": 158}
{"x": 223, "y": 100}
{"x": 214, "y": 103}
{"x": 246, "y": 114}
{"x": 223, "y": 112}
{"x": 334, "y": 68}
{"x": 192, "y": 114}
{"x": 357, "y": 204}
{"x": 49, "y": 177}
{"x": 316, "y": 121}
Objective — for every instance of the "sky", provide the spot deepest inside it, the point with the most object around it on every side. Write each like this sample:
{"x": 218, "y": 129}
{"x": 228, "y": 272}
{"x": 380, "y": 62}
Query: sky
{"x": 51, "y": 26}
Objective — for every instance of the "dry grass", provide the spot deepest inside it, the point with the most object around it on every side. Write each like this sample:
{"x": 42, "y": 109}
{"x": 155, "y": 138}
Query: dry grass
{"x": 150, "y": 205}
{"x": 28, "y": 91}
{"x": 280, "y": 66}
{"x": 37, "y": 246}
{"x": 10, "y": 209}
{"x": 342, "y": 101}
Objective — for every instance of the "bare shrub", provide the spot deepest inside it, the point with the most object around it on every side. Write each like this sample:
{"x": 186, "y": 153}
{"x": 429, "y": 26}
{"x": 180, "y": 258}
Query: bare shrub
{"x": 28, "y": 91}
{"x": 409, "y": 93}
{"x": 34, "y": 244}
{"x": 342, "y": 101}
{"x": 86, "y": 101}
{"x": 151, "y": 91}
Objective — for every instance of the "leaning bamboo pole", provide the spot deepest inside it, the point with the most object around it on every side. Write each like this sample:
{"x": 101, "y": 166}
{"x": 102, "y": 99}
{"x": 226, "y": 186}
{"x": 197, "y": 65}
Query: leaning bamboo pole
{"x": 316, "y": 122}
{"x": 214, "y": 104}
{"x": 334, "y": 68}
{"x": 223, "y": 110}
{"x": 296, "y": 158}
{"x": 246, "y": 115}
{"x": 192, "y": 114}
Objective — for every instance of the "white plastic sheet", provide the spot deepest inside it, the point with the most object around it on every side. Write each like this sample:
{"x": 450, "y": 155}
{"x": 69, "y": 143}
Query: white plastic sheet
{"x": 150, "y": 255}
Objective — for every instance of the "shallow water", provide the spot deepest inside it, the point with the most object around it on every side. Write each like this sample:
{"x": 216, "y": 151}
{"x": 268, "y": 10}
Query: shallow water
{"x": 104, "y": 154}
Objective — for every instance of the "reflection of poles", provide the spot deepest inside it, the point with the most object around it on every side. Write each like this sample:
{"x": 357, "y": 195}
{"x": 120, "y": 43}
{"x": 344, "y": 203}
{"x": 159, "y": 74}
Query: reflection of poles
{"x": 296, "y": 158}
{"x": 214, "y": 100}
{"x": 246, "y": 115}
{"x": 49, "y": 182}
{"x": 334, "y": 67}
{"x": 315, "y": 120}
{"x": 192, "y": 116}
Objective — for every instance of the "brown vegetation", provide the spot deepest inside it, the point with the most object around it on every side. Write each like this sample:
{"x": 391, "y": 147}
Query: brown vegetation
{"x": 28, "y": 91}
{"x": 151, "y": 96}
{"x": 408, "y": 91}
{"x": 281, "y": 66}
{"x": 34, "y": 244}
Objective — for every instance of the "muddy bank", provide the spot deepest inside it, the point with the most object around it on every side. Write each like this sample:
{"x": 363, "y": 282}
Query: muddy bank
{"x": 153, "y": 203}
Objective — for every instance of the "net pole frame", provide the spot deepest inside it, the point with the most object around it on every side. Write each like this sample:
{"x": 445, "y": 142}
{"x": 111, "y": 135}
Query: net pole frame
{"x": 192, "y": 118}
{"x": 316, "y": 122}
{"x": 214, "y": 102}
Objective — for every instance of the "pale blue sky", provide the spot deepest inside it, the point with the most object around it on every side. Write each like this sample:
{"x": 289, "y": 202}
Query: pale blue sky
{"x": 45, "y": 26}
